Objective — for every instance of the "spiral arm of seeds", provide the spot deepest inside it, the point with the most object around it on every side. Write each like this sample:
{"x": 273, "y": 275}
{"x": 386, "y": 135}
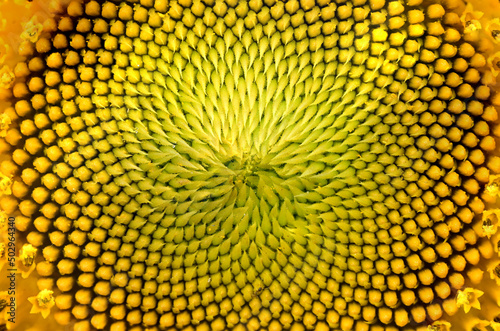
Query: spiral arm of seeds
{"x": 226, "y": 164}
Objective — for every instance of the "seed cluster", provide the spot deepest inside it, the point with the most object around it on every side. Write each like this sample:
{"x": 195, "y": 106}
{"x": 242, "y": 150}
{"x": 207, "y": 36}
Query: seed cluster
{"x": 229, "y": 164}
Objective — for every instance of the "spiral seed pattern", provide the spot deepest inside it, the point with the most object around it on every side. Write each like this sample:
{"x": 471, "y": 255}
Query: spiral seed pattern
{"x": 218, "y": 165}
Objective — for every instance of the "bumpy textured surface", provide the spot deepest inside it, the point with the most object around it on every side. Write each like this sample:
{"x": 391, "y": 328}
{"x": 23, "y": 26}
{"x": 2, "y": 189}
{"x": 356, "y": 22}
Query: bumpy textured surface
{"x": 261, "y": 165}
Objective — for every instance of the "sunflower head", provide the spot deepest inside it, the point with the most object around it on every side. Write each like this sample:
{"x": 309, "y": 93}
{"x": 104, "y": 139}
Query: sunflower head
{"x": 254, "y": 164}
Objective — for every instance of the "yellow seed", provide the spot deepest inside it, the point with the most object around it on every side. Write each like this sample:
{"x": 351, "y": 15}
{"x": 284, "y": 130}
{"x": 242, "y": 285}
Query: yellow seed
{"x": 477, "y": 60}
{"x": 434, "y": 311}
{"x": 75, "y": 9}
{"x": 452, "y": 35}
{"x": 415, "y": 16}
{"x": 378, "y": 17}
{"x": 416, "y": 30}
{"x": 418, "y": 313}
{"x": 435, "y": 11}
{"x": 379, "y": 35}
